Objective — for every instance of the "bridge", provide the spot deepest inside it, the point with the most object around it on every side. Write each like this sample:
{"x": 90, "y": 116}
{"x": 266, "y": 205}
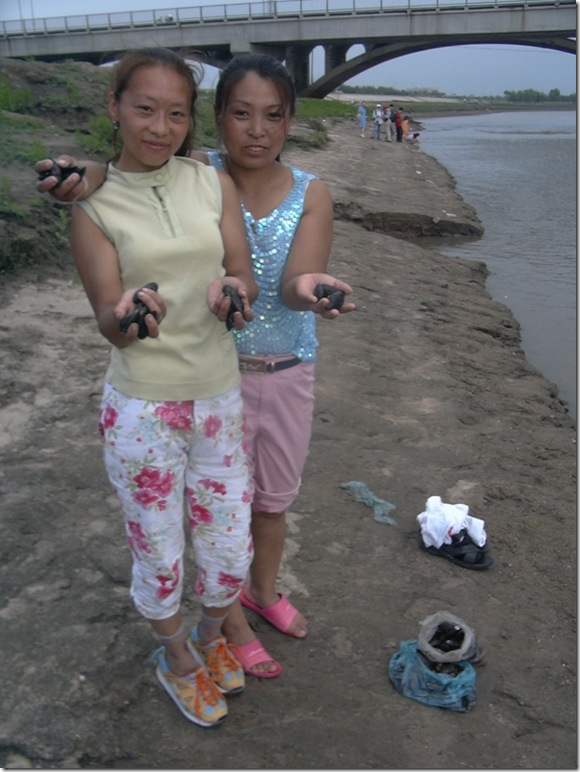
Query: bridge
{"x": 291, "y": 29}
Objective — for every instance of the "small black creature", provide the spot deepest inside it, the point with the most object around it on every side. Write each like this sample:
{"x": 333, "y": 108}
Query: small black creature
{"x": 335, "y": 297}
{"x": 139, "y": 313}
{"x": 60, "y": 173}
{"x": 236, "y": 304}
{"x": 447, "y": 637}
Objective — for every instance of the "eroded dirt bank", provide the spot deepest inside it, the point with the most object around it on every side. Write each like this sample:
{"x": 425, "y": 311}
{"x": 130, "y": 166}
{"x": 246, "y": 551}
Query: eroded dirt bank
{"x": 423, "y": 391}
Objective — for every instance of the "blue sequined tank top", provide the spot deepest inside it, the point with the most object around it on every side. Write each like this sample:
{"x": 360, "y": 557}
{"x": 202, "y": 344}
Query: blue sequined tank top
{"x": 276, "y": 329}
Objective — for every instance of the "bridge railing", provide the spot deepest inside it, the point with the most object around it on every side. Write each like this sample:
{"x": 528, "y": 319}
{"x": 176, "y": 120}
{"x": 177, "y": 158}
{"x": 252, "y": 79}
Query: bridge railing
{"x": 253, "y": 11}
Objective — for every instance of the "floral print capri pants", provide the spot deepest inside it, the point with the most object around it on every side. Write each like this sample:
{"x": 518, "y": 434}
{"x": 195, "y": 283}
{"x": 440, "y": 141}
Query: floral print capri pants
{"x": 170, "y": 459}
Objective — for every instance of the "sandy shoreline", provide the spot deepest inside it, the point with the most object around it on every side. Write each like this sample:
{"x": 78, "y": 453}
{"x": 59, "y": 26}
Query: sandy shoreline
{"x": 423, "y": 391}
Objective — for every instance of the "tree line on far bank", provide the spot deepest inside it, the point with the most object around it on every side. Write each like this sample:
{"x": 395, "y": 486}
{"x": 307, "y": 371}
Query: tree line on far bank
{"x": 528, "y": 95}
{"x": 531, "y": 95}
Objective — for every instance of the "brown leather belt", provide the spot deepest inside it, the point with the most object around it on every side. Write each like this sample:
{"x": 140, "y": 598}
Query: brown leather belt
{"x": 257, "y": 365}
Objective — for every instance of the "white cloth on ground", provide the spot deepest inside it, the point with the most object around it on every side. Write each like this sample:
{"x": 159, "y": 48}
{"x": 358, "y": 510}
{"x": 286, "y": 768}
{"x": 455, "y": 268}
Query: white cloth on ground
{"x": 440, "y": 521}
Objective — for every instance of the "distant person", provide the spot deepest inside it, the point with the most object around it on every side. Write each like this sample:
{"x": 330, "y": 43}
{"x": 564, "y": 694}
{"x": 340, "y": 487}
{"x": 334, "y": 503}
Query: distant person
{"x": 399, "y": 124}
{"x": 412, "y": 137}
{"x": 377, "y": 121}
{"x": 405, "y": 125}
{"x": 362, "y": 118}
{"x": 389, "y": 122}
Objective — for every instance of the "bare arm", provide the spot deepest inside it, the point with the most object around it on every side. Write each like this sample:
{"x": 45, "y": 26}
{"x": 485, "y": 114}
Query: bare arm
{"x": 75, "y": 187}
{"x": 199, "y": 155}
{"x": 309, "y": 256}
{"x": 237, "y": 259}
{"x": 96, "y": 260}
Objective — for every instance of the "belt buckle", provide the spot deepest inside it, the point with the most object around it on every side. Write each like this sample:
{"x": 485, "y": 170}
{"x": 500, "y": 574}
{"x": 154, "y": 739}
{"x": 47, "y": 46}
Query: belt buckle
{"x": 270, "y": 367}
{"x": 252, "y": 366}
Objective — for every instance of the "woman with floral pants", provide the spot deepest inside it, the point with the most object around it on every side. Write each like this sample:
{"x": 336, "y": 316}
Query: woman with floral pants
{"x": 156, "y": 248}
{"x": 156, "y": 451}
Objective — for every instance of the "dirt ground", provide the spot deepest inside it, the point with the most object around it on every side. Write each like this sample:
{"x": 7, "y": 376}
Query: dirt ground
{"x": 423, "y": 391}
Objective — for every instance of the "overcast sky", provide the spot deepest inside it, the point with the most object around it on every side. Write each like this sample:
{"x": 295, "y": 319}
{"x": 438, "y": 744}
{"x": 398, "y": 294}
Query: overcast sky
{"x": 483, "y": 70}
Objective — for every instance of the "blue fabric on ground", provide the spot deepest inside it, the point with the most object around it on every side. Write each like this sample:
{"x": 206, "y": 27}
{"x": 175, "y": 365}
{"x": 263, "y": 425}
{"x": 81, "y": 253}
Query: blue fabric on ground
{"x": 381, "y": 508}
{"x": 412, "y": 678}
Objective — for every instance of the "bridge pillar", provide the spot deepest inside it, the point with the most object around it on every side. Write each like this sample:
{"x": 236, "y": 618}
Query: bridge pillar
{"x": 334, "y": 56}
{"x": 297, "y": 62}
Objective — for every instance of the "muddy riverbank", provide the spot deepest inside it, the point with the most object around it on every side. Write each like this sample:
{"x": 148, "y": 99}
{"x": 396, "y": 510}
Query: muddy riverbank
{"x": 423, "y": 391}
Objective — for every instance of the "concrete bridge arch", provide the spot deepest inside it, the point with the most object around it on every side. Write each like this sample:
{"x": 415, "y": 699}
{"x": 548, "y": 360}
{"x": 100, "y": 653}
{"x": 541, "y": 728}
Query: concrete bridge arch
{"x": 340, "y": 70}
{"x": 291, "y": 29}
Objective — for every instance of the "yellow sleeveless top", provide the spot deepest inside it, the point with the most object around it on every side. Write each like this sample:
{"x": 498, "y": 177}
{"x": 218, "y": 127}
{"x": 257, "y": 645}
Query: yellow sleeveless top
{"x": 165, "y": 228}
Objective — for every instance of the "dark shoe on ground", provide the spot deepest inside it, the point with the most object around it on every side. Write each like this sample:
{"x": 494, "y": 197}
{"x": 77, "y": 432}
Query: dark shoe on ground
{"x": 462, "y": 551}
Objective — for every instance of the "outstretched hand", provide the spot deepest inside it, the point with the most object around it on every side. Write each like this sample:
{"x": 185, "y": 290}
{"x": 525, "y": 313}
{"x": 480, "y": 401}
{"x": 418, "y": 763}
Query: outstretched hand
{"x": 152, "y": 319}
{"x": 304, "y": 288}
{"x": 220, "y": 303}
{"x": 69, "y": 189}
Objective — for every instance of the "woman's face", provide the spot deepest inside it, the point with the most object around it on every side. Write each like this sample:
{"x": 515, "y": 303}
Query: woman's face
{"x": 255, "y": 123}
{"x": 154, "y": 115}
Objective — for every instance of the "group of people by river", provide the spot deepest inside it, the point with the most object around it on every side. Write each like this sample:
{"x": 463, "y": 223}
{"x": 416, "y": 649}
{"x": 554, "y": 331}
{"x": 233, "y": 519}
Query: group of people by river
{"x": 396, "y": 124}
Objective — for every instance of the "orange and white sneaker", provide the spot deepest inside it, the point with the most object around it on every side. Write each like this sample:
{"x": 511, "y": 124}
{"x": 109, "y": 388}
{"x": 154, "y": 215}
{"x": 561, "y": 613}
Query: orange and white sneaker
{"x": 196, "y": 695}
{"x": 222, "y": 666}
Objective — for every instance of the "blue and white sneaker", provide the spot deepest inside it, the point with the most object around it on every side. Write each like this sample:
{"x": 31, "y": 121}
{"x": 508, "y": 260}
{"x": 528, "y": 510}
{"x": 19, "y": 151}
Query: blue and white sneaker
{"x": 222, "y": 666}
{"x": 196, "y": 695}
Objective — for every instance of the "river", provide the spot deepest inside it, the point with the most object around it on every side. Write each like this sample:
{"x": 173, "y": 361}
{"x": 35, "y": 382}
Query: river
{"x": 519, "y": 172}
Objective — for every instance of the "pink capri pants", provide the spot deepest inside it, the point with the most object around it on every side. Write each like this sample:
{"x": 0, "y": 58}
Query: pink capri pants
{"x": 278, "y": 410}
{"x": 167, "y": 459}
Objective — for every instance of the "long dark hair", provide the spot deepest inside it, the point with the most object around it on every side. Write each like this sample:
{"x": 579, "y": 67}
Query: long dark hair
{"x": 154, "y": 57}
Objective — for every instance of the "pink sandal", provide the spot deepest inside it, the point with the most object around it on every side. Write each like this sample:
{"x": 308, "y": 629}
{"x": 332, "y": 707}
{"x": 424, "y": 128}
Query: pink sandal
{"x": 280, "y": 614}
{"x": 253, "y": 653}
